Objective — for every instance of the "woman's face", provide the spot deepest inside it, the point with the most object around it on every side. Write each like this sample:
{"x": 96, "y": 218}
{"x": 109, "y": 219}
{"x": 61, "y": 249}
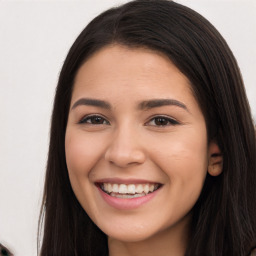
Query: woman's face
{"x": 136, "y": 143}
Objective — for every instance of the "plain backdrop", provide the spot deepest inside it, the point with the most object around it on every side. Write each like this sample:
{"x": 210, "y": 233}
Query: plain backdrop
{"x": 34, "y": 39}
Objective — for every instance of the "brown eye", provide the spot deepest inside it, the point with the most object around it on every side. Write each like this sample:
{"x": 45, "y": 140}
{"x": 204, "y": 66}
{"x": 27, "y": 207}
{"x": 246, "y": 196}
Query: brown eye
{"x": 94, "y": 120}
{"x": 162, "y": 121}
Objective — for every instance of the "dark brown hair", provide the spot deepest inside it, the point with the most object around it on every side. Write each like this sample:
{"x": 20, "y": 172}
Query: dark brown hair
{"x": 224, "y": 215}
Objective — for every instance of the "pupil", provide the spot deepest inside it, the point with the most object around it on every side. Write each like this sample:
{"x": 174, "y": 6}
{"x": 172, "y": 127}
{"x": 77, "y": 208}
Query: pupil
{"x": 97, "y": 120}
{"x": 161, "y": 121}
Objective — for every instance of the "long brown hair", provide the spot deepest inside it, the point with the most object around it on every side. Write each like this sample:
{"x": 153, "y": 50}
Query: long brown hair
{"x": 224, "y": 221}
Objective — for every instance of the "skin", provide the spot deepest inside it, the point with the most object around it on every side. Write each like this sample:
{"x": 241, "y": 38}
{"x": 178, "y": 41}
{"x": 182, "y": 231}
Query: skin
{"x": 130, "y": 142}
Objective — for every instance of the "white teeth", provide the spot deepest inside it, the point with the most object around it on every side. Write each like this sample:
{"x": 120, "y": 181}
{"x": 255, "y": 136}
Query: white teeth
{"x": 127, "y": 195}
{"x": 139, "y": 188}
{"x": 151, "y": 187}
{"x": 131, "y": 189}
{"x": 146, "y": 188}
{"x": 122, "y": 189}
{"x": 115, "y": 188}
{"x": 109, "y": 187}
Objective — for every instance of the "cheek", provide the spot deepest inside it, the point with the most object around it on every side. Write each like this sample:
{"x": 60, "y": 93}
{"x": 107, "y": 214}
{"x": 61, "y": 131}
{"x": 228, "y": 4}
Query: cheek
{"x": 81, "y": 152}
{"x": 183, "y": 159}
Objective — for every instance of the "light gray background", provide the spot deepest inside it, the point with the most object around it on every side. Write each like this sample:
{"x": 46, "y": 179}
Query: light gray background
{"x": 34, "y": 39}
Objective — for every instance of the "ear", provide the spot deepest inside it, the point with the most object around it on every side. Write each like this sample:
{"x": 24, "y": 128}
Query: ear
{"x": 215, "y": 159}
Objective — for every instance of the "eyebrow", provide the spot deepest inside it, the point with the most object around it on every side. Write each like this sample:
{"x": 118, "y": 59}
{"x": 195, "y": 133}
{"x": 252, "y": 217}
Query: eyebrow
{"x": 148, "y": 104}
{"x": 144, "y": 105}
{"x": 92, "y": 102}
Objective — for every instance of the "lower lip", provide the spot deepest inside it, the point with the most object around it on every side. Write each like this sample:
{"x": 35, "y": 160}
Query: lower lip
{"x": 127, "y": 203}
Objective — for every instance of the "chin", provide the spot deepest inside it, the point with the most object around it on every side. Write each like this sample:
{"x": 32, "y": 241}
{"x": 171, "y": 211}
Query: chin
{"x": 132, "y": 237}
{"x": 131, "y": 233}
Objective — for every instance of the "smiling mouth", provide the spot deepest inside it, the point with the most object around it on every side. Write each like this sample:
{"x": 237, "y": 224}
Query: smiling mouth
{"x": 128, "y": 190}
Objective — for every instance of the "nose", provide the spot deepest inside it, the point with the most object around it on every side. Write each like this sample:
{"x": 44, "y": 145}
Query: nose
{"x": 125, "y": 149}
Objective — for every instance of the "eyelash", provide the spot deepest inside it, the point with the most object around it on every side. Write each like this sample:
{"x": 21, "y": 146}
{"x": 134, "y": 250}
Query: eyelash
{"x": 85, "y": 120}
{"x": 166, "y": 121}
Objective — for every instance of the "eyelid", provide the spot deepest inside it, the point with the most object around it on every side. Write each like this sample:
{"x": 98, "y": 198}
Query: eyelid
{"x": 88, "y": 116}
{"x": 172, "y": 121}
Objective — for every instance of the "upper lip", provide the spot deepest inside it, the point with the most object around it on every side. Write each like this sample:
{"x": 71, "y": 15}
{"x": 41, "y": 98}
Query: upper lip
{"x": 126, "y": 181}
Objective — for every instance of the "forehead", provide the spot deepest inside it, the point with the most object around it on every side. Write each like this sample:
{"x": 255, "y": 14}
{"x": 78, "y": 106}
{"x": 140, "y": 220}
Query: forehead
{"x": 117, "y": 65}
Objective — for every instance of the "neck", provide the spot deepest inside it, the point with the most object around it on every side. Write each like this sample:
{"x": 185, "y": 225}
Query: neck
{"x": 171, "y": 241}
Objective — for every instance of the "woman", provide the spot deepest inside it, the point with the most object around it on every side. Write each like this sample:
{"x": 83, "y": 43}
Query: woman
{"x": 152, "y": 148}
